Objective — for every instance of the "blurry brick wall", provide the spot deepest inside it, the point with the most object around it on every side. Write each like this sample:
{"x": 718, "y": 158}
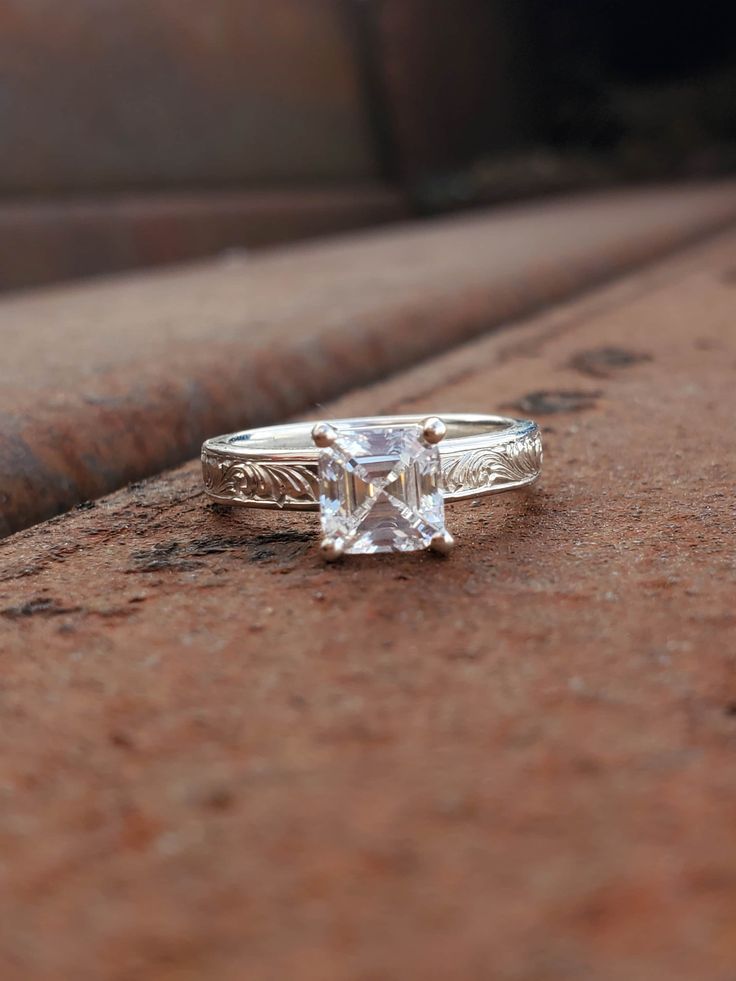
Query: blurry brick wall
{"x": 150, "y": 131}
{"x": 454, "y": 77}
{"x": 149, "y": 93}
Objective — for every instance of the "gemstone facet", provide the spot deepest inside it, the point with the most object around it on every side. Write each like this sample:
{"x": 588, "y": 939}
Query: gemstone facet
{"x": 380, "y": 489}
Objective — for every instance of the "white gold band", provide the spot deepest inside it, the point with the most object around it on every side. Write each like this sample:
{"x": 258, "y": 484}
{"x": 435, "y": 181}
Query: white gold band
{"x": 277, "y": 466}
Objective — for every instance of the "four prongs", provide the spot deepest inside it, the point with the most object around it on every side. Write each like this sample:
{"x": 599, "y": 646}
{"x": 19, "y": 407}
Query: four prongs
{"x": 442, "y": 543}
{"x": 433, "y": 429}
{"x": 323, "y": 434}
{"x": 332, "y": 549}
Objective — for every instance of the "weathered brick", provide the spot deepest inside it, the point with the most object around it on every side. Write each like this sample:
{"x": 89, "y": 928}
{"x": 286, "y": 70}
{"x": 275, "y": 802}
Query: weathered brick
{"x": 106, "y": 383}
{"x": 44, "y": 241}
{"x": 225, "y": 759}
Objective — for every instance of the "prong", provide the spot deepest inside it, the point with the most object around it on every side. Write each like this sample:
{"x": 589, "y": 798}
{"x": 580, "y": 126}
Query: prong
{"x": 323, "y": 434}
{"x": 433, "y": 429}
{"x": 332, "y": 549}
{"x": 442, "y": 543}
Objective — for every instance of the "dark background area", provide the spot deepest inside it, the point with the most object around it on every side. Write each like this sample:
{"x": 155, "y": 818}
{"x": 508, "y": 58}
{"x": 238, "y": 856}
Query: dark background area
{"x": 595, "y": 92}
{"x": 651, "y": 83}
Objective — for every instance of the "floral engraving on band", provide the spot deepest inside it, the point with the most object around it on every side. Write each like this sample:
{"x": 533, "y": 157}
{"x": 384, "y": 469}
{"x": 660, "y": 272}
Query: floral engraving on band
{"x": 515, "y": 463}
{"x": 510, "y": 464}
{"x": 280, "y": 483}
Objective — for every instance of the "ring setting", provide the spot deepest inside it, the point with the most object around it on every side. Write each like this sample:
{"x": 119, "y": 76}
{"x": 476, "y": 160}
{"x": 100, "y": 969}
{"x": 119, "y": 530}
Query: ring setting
{"x": 379, "y": 488}
{"x": 380, "y": 483}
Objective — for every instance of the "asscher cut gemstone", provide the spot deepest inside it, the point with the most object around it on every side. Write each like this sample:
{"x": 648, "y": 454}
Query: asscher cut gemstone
{"x": 380, "y": 489}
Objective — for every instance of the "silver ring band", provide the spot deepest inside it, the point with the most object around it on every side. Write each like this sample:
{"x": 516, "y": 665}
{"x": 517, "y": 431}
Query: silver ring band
{"x": 277, "y": 466}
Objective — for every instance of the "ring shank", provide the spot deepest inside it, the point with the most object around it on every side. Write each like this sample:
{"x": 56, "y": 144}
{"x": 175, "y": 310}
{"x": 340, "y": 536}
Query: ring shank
{"x": 297, "y": 436}
{"x": 276, "y": 466}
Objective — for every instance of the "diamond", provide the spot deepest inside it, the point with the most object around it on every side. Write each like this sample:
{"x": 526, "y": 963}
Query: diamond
{"x": 380, "y": 489}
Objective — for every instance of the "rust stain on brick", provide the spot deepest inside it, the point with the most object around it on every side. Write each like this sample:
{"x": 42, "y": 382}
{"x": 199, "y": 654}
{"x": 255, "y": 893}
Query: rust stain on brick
{"x": 602, "y": 361}
{"x": 185, "y": 556}
{"x": 548, "y": 401}
{"x": 39, "y": 606}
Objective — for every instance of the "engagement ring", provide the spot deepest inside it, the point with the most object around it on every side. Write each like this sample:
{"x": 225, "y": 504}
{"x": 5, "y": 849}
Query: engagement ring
{"x": 381, "y": 482}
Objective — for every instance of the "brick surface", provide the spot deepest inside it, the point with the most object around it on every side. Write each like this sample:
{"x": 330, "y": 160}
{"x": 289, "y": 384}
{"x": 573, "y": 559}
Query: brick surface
{"x": 455, "y": 80}
{"x": 44, "y": 241}
{"x": 109, "y": 382}
{"x": 227, "y": 760}
{"x": 151, "y": 93}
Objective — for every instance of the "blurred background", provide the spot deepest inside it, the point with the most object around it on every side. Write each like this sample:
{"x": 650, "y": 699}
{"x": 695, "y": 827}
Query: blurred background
{"x": 141, "y": 132}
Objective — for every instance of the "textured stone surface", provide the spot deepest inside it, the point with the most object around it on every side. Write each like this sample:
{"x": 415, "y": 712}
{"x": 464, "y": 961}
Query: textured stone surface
{"x": 109, "y": 382}
{"x": 224, "y": 759}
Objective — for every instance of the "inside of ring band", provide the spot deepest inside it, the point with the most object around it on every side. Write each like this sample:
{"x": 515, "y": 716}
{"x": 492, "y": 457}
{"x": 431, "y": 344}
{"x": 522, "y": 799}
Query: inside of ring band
{"x": 297, "y": 436}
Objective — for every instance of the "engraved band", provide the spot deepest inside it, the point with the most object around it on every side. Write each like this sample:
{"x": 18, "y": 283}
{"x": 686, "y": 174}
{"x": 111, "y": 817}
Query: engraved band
{"x": 276, "y": 466}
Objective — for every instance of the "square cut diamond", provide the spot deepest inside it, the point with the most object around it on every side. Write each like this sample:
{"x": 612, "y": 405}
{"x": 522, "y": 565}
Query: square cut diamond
{"x": 380, "y": 489}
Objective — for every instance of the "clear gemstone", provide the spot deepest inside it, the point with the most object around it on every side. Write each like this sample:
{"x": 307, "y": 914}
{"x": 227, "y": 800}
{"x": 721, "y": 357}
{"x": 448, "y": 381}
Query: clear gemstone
{"x": 380, "y": 489}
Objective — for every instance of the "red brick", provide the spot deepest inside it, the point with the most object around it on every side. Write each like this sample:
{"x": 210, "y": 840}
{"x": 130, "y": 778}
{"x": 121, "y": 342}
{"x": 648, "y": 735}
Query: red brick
{"x": 48, "y": 240}
{"x": 106, "y": 383}
{"x": 227, "y": 760}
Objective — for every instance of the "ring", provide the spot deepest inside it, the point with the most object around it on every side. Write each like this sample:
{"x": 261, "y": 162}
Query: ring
{"x": 379, "y": 482}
